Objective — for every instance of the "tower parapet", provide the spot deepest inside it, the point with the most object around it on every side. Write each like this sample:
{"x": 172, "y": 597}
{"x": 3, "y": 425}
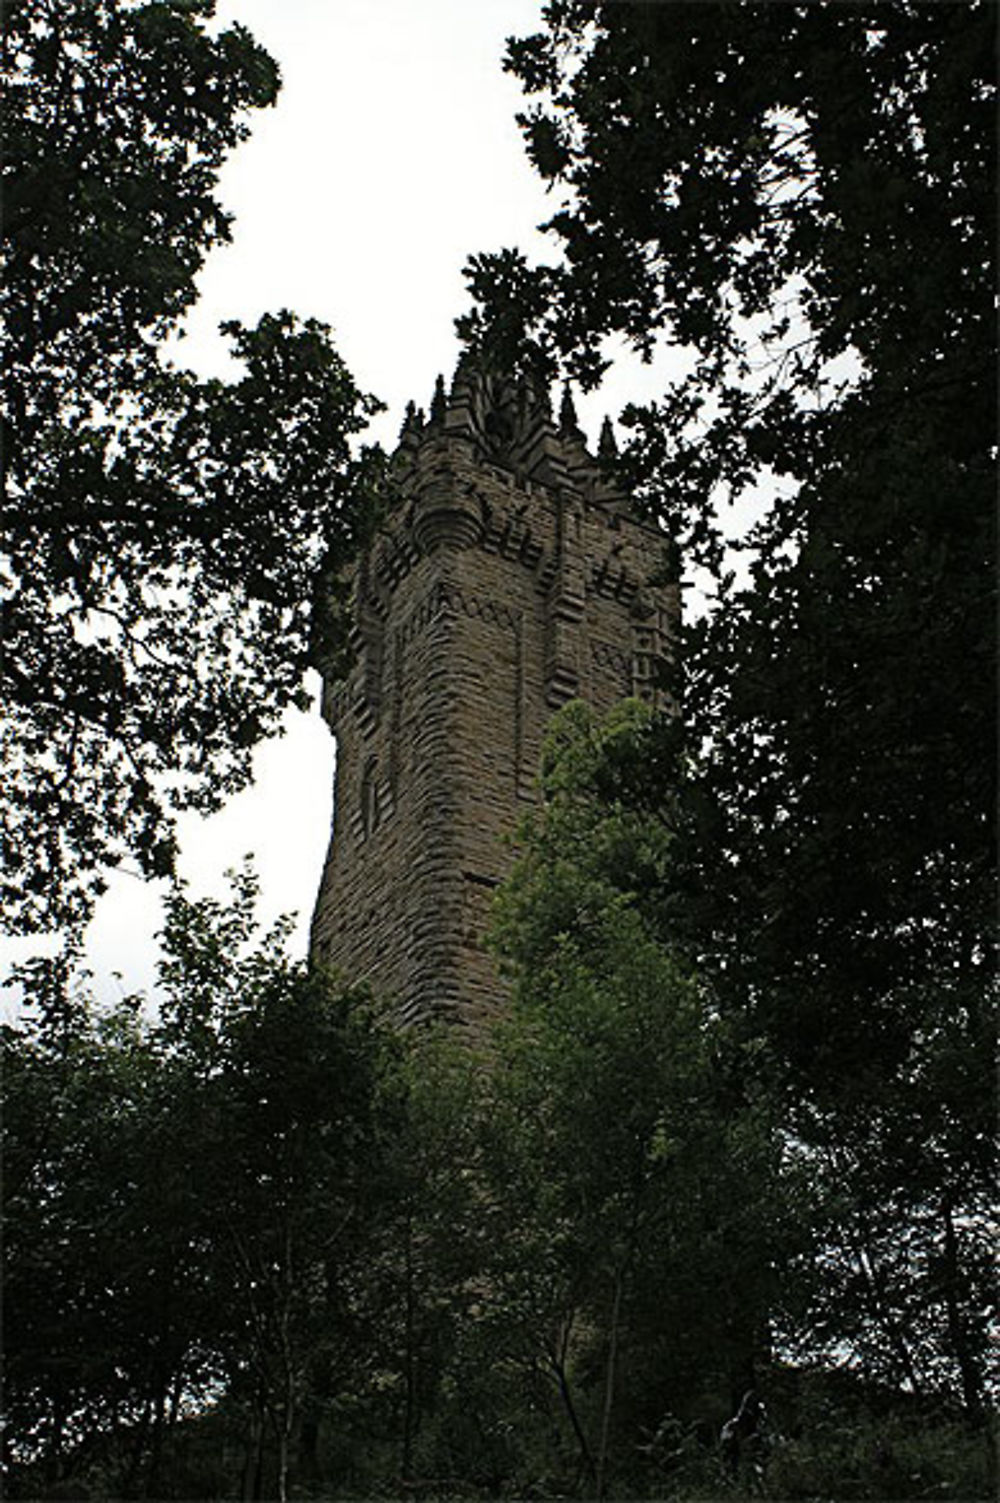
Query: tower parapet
{"x": 511, "y": 577}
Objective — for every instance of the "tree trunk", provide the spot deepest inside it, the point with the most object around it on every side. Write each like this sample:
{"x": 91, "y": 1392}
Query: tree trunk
{"x": 308, "y": 1449}
{"x": 286, "y": 1410}
{"x": 967, "y": 1366}
{"x": 609, "y": 1385}
{"x": 282, "y": 1463}
{"x": 253, "y": 1465}
{"x": 137, "y": 1450}
{"x": 884, "y": 1318}
{"x": 564, "y": 1393}
{"x": 409, "y": 1367}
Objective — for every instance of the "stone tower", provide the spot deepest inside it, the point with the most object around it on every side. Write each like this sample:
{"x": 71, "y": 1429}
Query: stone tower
{"x": 510, "y": 578}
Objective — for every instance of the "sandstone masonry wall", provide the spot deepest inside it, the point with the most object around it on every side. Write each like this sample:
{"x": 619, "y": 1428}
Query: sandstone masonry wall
{"x": 510, "y": 579}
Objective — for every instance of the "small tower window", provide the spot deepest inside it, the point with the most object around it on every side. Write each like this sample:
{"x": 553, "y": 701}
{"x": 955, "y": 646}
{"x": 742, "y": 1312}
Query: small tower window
{"x": 371, "y": 813}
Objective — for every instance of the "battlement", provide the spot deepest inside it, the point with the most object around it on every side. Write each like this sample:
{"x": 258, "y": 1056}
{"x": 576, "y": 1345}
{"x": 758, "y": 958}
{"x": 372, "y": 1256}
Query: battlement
{"x": 511, "y": 577}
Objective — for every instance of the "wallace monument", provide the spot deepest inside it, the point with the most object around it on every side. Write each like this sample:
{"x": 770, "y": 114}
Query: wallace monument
{"x": 511, "y": 578}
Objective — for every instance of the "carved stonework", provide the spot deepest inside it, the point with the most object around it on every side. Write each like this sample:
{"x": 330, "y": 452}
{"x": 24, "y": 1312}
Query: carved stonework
{"x": 510, "y": 578}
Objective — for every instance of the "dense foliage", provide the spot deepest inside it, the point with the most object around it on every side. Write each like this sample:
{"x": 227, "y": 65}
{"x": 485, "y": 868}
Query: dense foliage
{"x": 261, "y": 1246}
{"x": 802, "y": 199}
{"x": 626, "y": 1163}
{"x": 808, "y": 209}
{"x": 162, "y": 534}
{"x": 190, "y": 1209}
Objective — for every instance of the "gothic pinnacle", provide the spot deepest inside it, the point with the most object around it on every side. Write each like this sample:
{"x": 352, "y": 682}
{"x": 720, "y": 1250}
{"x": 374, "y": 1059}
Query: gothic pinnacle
{"x": 607, "y": 444}
{"x": 464, "y": 373}
{"x": 439, "y": 401}
{"x": 409, "y": 421}
{"x": 567, "y": 413}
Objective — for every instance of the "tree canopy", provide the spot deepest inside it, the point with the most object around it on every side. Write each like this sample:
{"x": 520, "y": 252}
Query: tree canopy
{"x": 163, "y": 534}
{"x": 192, "y": 1202}
{"x": 652, "y": 1220}
{"x": 801, "y": 197}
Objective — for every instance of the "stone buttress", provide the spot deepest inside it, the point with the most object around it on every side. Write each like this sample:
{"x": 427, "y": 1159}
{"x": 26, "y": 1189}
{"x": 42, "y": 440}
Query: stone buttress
{"x": 510, "y": 578}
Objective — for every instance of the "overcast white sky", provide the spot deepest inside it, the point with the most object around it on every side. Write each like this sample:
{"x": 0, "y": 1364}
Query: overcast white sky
{"x": 391, "y": 156}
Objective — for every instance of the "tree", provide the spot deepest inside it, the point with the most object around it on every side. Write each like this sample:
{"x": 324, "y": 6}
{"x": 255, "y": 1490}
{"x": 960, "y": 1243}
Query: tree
{"x": 629, "y": 1168}
{"x": 430, "y": 1413}
{"x": 108, "y": 1328}
{"x": 801, "y": 197}
{"x": 293, "y": 1074}
{"x": 192, "y": 1205}
{"x": 164, "y": 535}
